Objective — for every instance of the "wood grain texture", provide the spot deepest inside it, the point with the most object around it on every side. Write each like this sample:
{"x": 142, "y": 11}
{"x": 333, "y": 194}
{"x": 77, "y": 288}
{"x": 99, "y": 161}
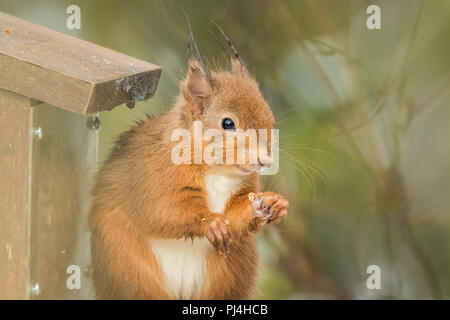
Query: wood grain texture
{"x": 15, "y": 119}
{"x": 68, "y": 72}
{"x": 44, "y": 198}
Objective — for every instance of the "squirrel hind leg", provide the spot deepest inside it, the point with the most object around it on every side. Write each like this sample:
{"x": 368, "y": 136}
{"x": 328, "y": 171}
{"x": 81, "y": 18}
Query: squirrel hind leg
{"x": 233, "y": 277}
{"x": 124, "y": 268}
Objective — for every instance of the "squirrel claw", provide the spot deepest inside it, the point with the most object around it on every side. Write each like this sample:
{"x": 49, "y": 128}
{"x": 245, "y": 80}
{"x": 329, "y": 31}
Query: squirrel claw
{"x": 268, "y": 206}
{"x": 218, "y": 234}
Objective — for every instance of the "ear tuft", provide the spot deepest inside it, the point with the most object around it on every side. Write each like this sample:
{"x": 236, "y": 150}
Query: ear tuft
{"x": 238, "y": 68}
{"x": 196, "y": 83}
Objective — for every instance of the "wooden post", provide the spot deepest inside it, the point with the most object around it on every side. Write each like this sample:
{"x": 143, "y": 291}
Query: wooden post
{"x": 51, "y": 87}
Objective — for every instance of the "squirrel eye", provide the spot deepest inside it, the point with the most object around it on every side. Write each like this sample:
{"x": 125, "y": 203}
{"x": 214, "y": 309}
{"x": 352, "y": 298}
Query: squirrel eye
{"x": 228, "y": 124}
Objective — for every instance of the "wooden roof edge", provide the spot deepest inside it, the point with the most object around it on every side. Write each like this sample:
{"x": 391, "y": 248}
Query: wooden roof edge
{"x": 67, "y": 72}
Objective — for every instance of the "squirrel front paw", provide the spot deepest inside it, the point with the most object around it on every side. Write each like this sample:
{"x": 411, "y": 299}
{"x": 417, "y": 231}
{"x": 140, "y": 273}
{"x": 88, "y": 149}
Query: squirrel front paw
{"x": 268, "y": 206}
{"x": 217, "y": 233}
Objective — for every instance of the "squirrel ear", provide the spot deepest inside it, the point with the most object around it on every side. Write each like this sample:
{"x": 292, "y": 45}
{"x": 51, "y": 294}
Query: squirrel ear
{"x": 196, "y": 84}
{"x": 238, "y": 68}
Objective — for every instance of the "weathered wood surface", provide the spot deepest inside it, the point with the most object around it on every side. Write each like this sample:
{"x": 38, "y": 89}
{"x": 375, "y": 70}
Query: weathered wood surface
{"x": 47, "y": 158}
{"x": 68, "y": 72}
{"x": 15, "y": 153}
{"x": 48, "y": 155}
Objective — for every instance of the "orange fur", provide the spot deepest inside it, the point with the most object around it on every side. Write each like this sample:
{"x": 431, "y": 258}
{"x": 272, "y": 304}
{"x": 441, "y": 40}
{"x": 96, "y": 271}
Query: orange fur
{"x": 139, "y": 193}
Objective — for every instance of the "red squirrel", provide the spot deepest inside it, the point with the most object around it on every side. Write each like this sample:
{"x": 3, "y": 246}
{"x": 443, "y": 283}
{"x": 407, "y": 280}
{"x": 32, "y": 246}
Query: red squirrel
{"x": 161, "y": 230}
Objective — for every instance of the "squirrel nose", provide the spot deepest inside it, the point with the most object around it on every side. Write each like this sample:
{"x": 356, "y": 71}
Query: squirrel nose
{"x": 260, "y": 164}
{"x": 264, "y": 162}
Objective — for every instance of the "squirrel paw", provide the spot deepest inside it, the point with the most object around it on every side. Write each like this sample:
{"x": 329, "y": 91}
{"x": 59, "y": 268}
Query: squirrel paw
{"x": 268, "y": 206}
{"x": 217, "y": 233}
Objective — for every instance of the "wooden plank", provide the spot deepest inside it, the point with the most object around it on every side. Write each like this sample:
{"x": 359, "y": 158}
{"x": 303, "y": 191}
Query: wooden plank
{"x": 15, "y": 119}
{"x": 64, "y": 159}
{"x": 47, "y": 158}
{"x": 68, "y": 72}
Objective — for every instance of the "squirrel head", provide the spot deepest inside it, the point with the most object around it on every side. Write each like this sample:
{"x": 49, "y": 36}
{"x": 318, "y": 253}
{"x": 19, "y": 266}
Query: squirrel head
{"x": 229, "y": 103}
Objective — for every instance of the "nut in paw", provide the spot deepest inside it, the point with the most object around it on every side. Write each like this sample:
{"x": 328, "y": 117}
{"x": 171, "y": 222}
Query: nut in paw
{"x": 268, "y": 206}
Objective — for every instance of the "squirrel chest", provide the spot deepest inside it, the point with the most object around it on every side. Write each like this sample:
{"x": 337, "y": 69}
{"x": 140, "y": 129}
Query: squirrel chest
{"x": 183, "y": 262}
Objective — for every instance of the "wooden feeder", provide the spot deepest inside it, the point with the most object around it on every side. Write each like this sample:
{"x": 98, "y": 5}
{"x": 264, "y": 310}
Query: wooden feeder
{"x": 51, "y": 88}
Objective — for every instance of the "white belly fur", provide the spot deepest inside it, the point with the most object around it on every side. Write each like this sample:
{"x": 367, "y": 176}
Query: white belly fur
{"x": 183, "y": 262}
{"x": 220, "y": 188}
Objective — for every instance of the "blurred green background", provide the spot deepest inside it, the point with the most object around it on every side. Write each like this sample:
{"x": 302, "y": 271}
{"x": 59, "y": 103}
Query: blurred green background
{"x": 363, "y": 118}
